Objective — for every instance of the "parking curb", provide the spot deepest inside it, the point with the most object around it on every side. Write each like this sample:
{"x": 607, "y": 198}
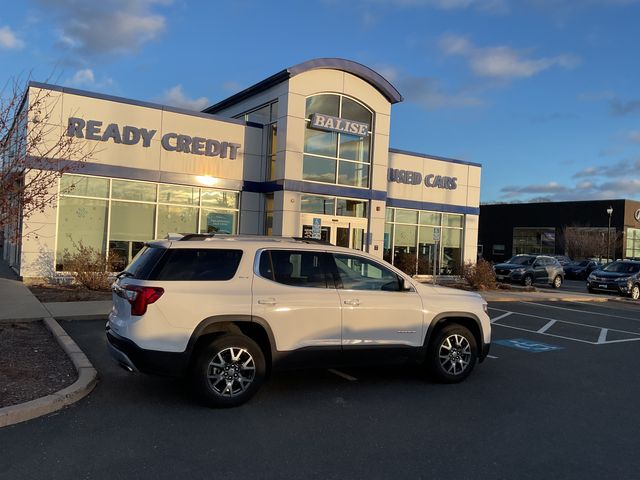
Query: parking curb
{"x": 87, "y": 380}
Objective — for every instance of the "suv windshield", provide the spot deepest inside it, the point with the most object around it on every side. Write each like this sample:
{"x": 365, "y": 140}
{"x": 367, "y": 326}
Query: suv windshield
{"x": 521, "y": 260}
{"x": 622, "y": 267}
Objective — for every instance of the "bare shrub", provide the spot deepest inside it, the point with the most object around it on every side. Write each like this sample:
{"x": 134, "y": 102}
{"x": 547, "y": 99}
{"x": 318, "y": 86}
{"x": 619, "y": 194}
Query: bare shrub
{"x": 480, "y": 276}
{"x": 89, "y": 267}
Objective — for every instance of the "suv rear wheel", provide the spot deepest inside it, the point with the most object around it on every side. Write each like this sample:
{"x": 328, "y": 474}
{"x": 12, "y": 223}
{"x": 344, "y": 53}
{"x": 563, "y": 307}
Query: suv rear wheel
{"x": 452, "y": 354}
{"x": 228, "y": 371}
{"x": 635, "y": 292}
{"x": 527, "y": 281}
{"x": 557, "y": 281}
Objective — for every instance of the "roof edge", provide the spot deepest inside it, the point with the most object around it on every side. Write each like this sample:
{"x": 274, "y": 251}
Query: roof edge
{"x": 359, "y": 70}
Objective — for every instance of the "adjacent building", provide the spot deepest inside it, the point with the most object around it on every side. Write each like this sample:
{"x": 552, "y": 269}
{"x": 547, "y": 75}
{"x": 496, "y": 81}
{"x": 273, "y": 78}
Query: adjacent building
{"x": 303, "y": 153}
{"x": 581, "y": 229}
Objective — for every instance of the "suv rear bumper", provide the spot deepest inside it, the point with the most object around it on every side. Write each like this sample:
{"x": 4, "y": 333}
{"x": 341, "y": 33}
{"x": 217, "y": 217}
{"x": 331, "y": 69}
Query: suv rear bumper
{"x": 134, "y": 358}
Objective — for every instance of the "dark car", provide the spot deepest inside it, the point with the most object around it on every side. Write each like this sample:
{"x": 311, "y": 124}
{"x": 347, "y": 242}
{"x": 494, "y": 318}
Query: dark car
{"x": 527, "y": 269}
{"x": 621, "y": 276}
{"x": 580, "y": 270}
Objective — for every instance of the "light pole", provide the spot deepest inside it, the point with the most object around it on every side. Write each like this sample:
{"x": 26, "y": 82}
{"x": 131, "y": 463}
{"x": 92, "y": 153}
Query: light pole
{"x": 609, "y": 211}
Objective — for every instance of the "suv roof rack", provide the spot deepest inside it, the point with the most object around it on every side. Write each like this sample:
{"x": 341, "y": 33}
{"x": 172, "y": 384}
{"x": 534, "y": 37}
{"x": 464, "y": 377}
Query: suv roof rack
{"x": 196, "y": 236}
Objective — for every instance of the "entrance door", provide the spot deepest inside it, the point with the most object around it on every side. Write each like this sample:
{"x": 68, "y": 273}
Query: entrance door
{"x": 339, "y": 231}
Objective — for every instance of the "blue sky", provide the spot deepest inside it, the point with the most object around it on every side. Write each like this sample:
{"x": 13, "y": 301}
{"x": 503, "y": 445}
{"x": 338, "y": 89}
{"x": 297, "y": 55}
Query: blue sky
{"x": 544, "y": 93}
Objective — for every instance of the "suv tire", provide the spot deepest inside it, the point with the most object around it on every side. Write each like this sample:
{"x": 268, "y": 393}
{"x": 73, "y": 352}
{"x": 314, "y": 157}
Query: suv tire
{"x": 635, "y": 292}
{"x": 228, "y": 371}
{"x": 527, "y": 280}
{"x": 557, "y": 282}
{"x": 452, "y": 354}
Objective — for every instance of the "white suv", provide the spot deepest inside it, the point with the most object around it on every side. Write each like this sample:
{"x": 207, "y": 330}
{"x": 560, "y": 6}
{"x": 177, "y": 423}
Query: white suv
{"x": 228, "y": 309}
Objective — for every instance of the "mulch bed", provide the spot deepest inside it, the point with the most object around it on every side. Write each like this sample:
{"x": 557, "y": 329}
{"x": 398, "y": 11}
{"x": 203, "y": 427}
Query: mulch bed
{"x": 66, "y": 293}
{"x": 32, "y": 363}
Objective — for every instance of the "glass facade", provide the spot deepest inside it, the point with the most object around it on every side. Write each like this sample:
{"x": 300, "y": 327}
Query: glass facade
{"x": 534, "y": 240}
{"x": 267, "y": 115}
{"x": 116, "y": 216}
{"x": 633, "y": 243}
{"x": 343, "y": 207}
{"x": 411, "y": 241}
{"x": 337, "y": 158}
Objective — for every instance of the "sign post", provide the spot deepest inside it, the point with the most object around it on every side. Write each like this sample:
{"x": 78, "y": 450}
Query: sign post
{"x": 316, "y": 230}
{"x": 436, "y": 239}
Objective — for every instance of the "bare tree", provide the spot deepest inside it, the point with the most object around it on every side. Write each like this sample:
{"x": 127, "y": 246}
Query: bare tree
{"x": 34, "y": 152}
{"x": 591, "y": 242}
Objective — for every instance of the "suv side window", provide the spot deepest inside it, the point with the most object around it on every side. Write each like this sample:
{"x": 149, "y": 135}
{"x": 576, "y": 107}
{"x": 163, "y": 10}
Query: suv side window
{"x": 358, "y": 273}
{"x": 197, "y": 264}
{"x": 294, "y": 267}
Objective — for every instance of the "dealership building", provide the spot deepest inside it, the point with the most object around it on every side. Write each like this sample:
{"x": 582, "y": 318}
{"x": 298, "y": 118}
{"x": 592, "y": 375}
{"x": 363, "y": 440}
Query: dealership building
{"x": 303, "y": 153}
{"x": 582, "y": 229}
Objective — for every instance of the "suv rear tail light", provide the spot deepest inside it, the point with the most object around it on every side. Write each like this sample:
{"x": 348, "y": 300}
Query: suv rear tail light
{"x": 139, "y": 297}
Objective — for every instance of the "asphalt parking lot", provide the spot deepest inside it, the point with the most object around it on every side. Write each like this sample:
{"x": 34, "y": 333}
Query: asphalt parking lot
{"x": 556, "y": 399}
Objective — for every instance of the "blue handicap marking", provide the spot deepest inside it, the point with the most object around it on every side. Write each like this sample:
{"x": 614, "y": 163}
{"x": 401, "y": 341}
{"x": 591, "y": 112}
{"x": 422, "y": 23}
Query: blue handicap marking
{"x": 527, "y": 345}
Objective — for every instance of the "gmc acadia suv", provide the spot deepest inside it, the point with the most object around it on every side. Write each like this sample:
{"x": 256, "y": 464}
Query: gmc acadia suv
{"x": 226, "y": 310}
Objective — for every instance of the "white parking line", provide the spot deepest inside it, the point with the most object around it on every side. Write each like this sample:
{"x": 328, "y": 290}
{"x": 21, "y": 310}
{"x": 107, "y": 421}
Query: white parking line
{"x": 500, "y": 317}
{"x": 343, "y": 375}
{"x": 636, "y": 319}
{"x": 601, "y": 337}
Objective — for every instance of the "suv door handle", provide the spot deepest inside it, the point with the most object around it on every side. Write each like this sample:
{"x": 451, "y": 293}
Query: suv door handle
{"x": 353, "y": 302}
{"x": 267, "y": 301}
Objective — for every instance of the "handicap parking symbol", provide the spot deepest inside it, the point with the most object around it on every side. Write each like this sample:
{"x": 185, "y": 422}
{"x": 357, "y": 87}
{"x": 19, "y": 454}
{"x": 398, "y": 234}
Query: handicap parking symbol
{"x": 527, "y": 345}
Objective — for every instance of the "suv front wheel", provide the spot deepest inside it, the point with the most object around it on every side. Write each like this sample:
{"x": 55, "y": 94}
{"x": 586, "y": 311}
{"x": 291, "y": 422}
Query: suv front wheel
{"x": 228, "y": 371}
{"x": 452, "y": 354}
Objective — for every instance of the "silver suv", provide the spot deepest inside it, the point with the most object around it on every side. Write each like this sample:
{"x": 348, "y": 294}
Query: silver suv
{"x": 227, "y": 310}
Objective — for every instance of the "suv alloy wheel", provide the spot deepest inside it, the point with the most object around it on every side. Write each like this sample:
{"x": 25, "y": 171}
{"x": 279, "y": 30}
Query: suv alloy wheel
{"x": 635, "y": 292}
{"x": 527, "y": 281}
{"x": 229, "y": 371}
{"x": 557, "y": 282}
{"x": 452, "y": 354}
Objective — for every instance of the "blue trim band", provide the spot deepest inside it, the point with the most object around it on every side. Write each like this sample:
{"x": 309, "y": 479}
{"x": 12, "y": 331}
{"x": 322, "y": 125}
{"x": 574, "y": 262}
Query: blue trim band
{"x": 434, "y": 157}
{"x": 315, "y": 188}
{"x": 138, "y": 103}
{"x": 436, "y": 207}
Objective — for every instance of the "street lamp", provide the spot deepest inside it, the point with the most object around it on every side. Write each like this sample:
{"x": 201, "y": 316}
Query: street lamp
{"x": 609, "y": 211}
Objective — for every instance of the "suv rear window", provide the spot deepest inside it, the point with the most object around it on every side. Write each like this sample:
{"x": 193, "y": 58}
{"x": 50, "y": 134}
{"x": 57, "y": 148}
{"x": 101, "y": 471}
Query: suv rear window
{"x": 197, "y": 264}
{"x": 143, "y": 262}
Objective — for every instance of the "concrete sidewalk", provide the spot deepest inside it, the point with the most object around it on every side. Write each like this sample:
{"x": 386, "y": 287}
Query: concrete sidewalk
{"x": 16, "y": 300}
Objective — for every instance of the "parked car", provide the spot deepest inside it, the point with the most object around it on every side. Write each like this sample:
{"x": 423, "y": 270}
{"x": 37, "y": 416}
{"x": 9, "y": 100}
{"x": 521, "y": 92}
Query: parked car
{"x": 226, "y": 310}
{"x": 529, "y": 269}
{"x": 621, "y": 276}
{"x": 562, "y": 259}
{"x": 580, "y": 270}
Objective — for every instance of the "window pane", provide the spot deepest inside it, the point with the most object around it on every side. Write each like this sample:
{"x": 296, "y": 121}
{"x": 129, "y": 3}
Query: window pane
{"x": 219, "y": 198}
{"x": 132, "y": 221}
{"x": 353, "y": 147}
{"x": 84, "y": 186}
{"x": 388, "y": 242}
{"x": 327, "y": 104}
{"x": 321, "y": 143}
{"x": 126, "y": 190}
{"x": 405, "y": 235}
{"x": 351, "y": 208}
{"x": 274, "y": 111}
{"x": 406, "y": 216}
{"x": 426, "y": 250}
{"x": 176, "y": 220}
{"x": 388, "y": 214}
{"x": 358, "y": 273}
{"x": 80, "y": 219}
{"x": 451, "y": 237}
{"x": 452, "y": 220}
{"x": 177, "y": 194}
{"x": 354, "y": 111}
{"x": 319, "y": 169}
{"x": 355, "y": 174}
{"x": 204, "y": 264}
{"x": 430, "y": 218}
{"x": 315, "y": 204}
{"x": 218, "y": 221}
{"x": 262, "y": 115}
{"x": 301, "y": 269}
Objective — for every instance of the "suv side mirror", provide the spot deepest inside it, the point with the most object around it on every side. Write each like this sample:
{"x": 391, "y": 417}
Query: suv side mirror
{"x": 404, "y": 285}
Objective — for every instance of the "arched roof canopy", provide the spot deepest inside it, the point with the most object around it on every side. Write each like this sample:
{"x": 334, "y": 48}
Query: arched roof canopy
{"x": 365, "y": 73}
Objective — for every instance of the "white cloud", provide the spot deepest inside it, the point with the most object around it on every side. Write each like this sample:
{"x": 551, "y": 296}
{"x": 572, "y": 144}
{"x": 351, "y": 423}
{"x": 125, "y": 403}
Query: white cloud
{"x": 9, "y": 40}
{"x": 176, "y": 97}
{"x": 106, "y": 27}
{"x": 83, "y": 77}
{"x": 231, "y": 86}
{"x": 489, "y": 6}
{"x": 429, "y": 93}
{"x": 502, "y": 62}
